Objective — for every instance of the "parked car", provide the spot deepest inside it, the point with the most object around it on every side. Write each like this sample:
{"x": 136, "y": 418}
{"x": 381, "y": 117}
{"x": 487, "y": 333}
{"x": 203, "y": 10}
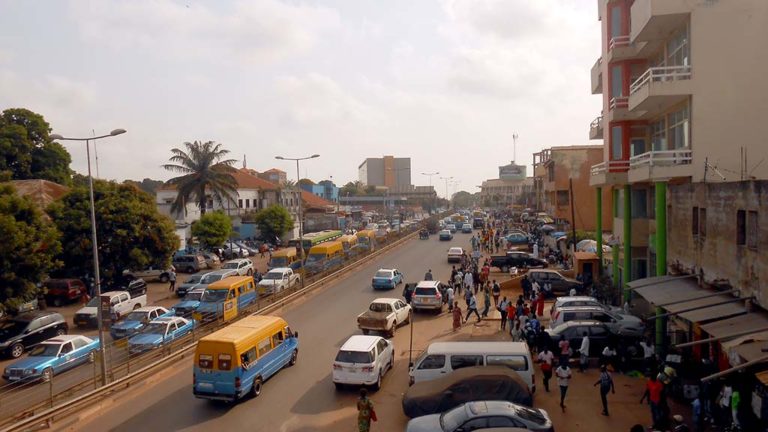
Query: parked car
{"x": 135, "y": 287}
{"x": 486, "y": 414}
{"x": 476, "y": 383}
{"x": 251, "y": 251}
{"x": 191, "y": 283}
{"x": 516, "y": 259}
{"x": 517, "y": 238}
{"x": 568, "y": 301}
{"x": 428, "y": 295}
{"x": 62, "y": 291}
{"x": 234, "y": 251}
{"x": 122, "y": 303}
{"x": 445, "y": 235}
{"x": 363, "y": 360}
{"x": 561, "y": 285}
{"x": 189, "y": 263}
{"x": 215, "y": 276}
{"x": 451, "y": 227}
{"x": 189, "y": 303}
{"x": 24, "y": 331}
{"x": 158, "y": 332}
{"x": 52, "y": 356}
{"x": 150, "y": 274}
{"x": 384, "y": 314}
{"x": 243, "y": 266}
{"x": 135, "y": 321}
{"x": 454, "y": 254}
{"x": 599, "y": 336}
{"x": 466, "y": 228}
{"x": 276, "y": 280}
{"x": 211, "y": 259}
{"x": 623, "y": 324}
{"x": 386, "y": 278}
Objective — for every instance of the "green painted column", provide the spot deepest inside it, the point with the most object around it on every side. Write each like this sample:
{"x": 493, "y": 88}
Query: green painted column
{"x": 661, "y": 255}
{"x": 615, "y": 249}
{"x": 599, "y": 233}
{"x": 627, "y": 273}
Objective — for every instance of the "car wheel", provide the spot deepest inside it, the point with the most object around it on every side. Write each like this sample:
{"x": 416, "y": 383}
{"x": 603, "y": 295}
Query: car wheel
{"x": 256, "y": 388}
{"x": 16, "y": 350}
{"x": 164, "y": 278}
{"x": 391, "y": 362}
{"x": 136, "y": 306}
{"x": 190, "y": 269}
{"x": 57, "y": 301}
{"x": 366, "y": 331}
{"x": 294, "y": 357}
{"x": 60, "y": 332}
{"x": 47, "y": 374}
{"x": 391, "y": 332}
{"x": 408, "y": 318}
{"x": 377, "y": 386}
{"x": 339, "y": 386}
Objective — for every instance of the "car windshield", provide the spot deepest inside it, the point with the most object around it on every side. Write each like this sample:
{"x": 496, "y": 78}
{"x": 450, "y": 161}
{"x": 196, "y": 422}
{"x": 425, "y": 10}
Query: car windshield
{"x": 193, "y": 279}
{"x": 454, "y": 418}
{"x": 194, "y": 296}
{"x": 94, "y": 302}
{"x": 273, "y": 276}
{"x": 156, "y": 328}
{"x": 211, "y": 278}
{"x": 315, "y": 258}
{"x": 137, "y": 316}
{"x": 11, "y": 328}
{"x": 456, "y": 251}
{"x": 45, "y": 350}
{"x": 531, "y": 415}
{"x": 214, "y": 295}
{"x": 425, "y": 291}
{"x": 379, "y": 307}
{"x": 354, "y": 357}
{"x": 230, "y": 265}
{"x": 279, "y": 261}
{"x": 383, "y": 274}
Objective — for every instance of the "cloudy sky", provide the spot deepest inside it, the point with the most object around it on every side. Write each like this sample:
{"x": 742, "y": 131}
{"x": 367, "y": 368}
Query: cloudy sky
{"x": 445, "y": 82}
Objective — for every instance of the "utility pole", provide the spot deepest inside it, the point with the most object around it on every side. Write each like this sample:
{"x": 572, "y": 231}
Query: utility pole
{"x": 514, "y": 147}
{"x": 573, "y": 214}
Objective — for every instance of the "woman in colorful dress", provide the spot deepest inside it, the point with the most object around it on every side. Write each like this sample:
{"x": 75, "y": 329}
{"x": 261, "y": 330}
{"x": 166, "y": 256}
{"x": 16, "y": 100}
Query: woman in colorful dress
{"x": 364, "y": 411}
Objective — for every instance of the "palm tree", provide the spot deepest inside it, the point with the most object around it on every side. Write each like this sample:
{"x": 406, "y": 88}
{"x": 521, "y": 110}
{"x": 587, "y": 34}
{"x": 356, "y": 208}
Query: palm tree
{"x": 203, "y": 169}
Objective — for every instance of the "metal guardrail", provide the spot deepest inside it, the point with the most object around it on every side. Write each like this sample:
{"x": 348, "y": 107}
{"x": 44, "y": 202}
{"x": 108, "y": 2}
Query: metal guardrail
{"x": 619, "y": 102}
{"x": 176, "y": 350}
{"x": 662, "y": 158}
{"x": 618, "y": 41}
{"x": 662, "y": 73}
{"x": 610, "y": 166}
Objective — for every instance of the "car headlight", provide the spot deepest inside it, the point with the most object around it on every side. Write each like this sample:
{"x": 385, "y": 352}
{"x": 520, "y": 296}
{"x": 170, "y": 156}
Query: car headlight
{"x": 29, "y": 371}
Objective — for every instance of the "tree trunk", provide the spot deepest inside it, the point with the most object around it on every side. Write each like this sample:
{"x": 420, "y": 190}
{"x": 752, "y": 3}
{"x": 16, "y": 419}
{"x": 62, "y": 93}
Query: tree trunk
{"x": 202, "y": 203}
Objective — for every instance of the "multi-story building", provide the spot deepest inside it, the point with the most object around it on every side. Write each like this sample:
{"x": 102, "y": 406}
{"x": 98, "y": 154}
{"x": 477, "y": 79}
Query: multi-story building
{"x": 325, "y": 189}
{"x": 505, "y": 192}
{"x": 683, "y": 129}
{"x": 560, "y": 169}
{"x": 274, "y": 175}
{"x": 386, "y": 171}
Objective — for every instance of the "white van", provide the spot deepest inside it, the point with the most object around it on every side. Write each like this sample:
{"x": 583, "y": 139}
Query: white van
{"x": 441, "y": 358}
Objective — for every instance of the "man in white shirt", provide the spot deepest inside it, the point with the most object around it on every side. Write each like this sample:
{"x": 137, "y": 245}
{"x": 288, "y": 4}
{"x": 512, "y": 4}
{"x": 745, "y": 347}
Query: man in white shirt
{"x": 584, "y": 353}
{"x": 572, "y": 293}
{"x": 648, "y": 354}
{"x": 563, "y": 374}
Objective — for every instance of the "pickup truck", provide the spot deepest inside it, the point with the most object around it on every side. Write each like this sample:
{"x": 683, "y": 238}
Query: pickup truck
{"x": 122, "y": 304}
{"x": 384, "y": 314}
{"x": 516, "y": 259}
{"x": 276, "y": 280}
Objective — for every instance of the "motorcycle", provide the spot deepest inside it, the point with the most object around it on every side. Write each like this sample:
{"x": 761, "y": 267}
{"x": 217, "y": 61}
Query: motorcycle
{"x": 424, "y": 235}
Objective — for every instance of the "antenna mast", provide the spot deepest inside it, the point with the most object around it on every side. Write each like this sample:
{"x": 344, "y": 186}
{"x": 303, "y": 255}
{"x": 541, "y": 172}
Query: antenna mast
{"x": 514, "y": 147}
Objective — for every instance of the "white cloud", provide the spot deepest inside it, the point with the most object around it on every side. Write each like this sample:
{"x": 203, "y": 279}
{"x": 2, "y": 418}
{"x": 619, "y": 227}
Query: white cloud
{"x": 251, "y": 32}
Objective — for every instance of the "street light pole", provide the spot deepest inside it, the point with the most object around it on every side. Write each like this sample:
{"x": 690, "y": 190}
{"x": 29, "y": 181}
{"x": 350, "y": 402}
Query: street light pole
{"x": 94, "y": 243}
{"x": 301, "y": 211}
{"x": 430, "y": 174}
{"x": 446, "y": 189}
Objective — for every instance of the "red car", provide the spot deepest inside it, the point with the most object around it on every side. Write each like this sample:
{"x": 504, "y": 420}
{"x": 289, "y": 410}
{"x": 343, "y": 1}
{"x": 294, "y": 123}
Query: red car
{"x": 62, "y": 291}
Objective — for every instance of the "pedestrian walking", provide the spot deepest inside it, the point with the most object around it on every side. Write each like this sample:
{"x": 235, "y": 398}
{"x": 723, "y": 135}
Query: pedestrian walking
{"x": 468, "y": 281}
{"x": 472, "y": 307}
{"x": 584, "y": 353}
{"x": 735, "y": 404}
{"x": 696, "y": 418}
{"x": 546, "y": 358}
{"x": 496, "y": 292}
{"x": 487, "y": 304}
{"x": 606, "y": 384}
{"x": 563, "y": 374}
{"x": 457, "y": 281}
{"x": 365, "y": 412}
{"x": 510, "y": 308}
{"x": 724, "y": 404}
{"x": 502, "y": 308}
{"x": 172, "y": 280}
{"x": 516, "y": 333}
{"x": 565, "y": 350}
{"x": 456, "y": 316}
{"x": 649, "y": 355}
{"x": 609, "y": 357}
{"x": 653, "y": 390}
{"x": 85, "y": 298}
{"x": 428, "y": 275}
{"x": 467, "y": 296}
{"x": 449, "y": 296}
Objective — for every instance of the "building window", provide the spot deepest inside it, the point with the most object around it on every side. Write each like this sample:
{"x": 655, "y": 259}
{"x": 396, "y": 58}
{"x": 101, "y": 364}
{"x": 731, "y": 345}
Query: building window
{"x": 695, "y": 222}
{"x": 658, "y": 135}
{"x": 247, "y": 203}
{"x": 678, "y": 50}
{"x": 752, "y": 228}
{"x": 617, "y": 82}
{"x": 678, "y": 129}
{"x": 703, "y": 222}
{"x": 652, "y": 203}
{"x": 239, "y": 203}
{"x": 616, "y": 142}
{"x": 551, "y": 173}
{"x": 616, "y": 30}
{"x": 562, "y": 198}
{"x": 741, "y": 227}
{"x": 639, "y": 203}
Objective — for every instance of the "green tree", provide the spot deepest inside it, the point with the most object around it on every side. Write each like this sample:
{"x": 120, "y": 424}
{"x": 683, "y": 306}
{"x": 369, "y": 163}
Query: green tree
{"x": 26, "y": 149}
{"x": 306, "y": 182}
{"x": 131, "y": 233}
{"x": 204, "y": 171}
{"x": 349, "y": 189}
{"x": 213, "y": 229}
{"x": 273, "y": 221}
{"x": 463, "y": 199}
{"x": 147, "y": 185}
{"x": 30, "y": 245}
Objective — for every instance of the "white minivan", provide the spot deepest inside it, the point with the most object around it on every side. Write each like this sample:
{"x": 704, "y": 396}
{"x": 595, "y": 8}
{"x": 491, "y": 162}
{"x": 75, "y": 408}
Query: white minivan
{"x": 442, "y": 358}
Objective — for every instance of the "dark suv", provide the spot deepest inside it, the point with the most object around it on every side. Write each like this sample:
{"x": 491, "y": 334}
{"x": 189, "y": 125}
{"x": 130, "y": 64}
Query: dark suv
{"x": 561, "y": 285}
{"x": 61, "y": 291}
{"x": 135, "y": 286}
{"x": 27, "y": 330}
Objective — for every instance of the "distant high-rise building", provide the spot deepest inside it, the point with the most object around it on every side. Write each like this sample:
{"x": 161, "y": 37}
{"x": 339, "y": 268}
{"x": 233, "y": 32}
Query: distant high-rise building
{"x": 387, "y": 171}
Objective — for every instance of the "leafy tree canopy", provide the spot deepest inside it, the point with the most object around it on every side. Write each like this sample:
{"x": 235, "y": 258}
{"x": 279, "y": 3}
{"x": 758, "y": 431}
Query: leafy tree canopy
{"x": 131, "y": 233}
{"x": 26, "y": 150}
{"x": 213, "y": 229}
{"x": 349, "y": 189}
{"x": 147, "y": 185}
{"x": 30, "y": 244}
{"x": 463, "y": 199}
{"x": 306, "y": 182}
{"x": 273, "y": 221}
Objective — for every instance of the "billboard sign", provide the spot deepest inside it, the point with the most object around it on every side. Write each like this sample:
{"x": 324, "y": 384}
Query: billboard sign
{"x": 512, "y": 172}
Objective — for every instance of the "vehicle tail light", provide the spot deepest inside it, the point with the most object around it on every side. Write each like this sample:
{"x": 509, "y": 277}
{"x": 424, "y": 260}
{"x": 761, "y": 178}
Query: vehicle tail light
{"x": 557, "y": 314}
{"x": 237, "y": 382}
{"x": 336, "y": 366}
{"x": 367, "y": 368}
{"x": 439, "y": 296}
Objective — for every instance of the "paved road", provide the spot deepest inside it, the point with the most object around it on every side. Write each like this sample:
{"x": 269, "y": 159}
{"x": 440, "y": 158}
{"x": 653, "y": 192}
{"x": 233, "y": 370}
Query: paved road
{"x": 302, "y": 397}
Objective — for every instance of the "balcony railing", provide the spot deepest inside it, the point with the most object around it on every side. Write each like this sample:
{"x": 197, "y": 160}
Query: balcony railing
{"x": 596, "y": 123}
{"x": 610, "y": 166}
{"x": 662, "y": 158}
{"x": 618, "y": 41}
{"x": 660, "y": 74}
{"x": 619, "y": 102}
